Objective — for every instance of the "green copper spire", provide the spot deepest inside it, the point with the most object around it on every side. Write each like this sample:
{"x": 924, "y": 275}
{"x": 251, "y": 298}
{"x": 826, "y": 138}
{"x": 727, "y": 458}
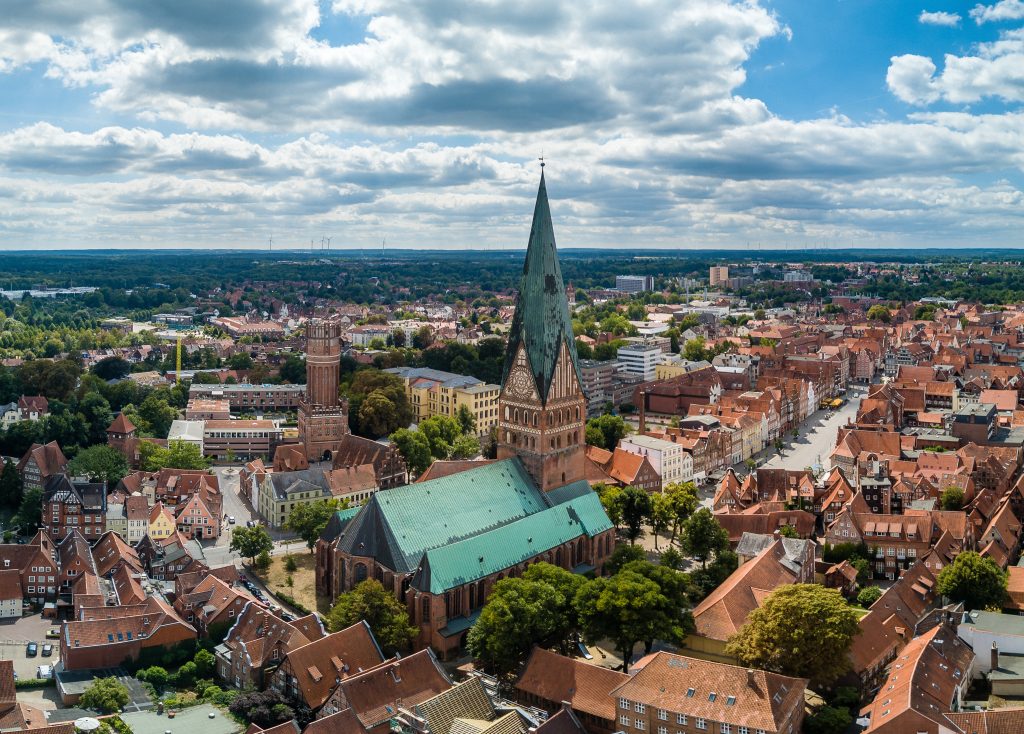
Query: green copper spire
{"x": 541, "y": 322}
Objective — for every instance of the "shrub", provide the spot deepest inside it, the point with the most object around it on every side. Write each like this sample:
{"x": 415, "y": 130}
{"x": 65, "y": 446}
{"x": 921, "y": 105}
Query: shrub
{"x": 264, "y": 708}
{"x": 263, "y": 561}
{"x": 828, "y": 720}
{"x": 205, "y": 663}
{"x": 290, "y": 601}
{"x": 30, "y": 683}
{"x": 290, "y": 565}
{"x": 154, "y": 675}
{"x": 869, "y": 596}
{"x": 186, "y": 675}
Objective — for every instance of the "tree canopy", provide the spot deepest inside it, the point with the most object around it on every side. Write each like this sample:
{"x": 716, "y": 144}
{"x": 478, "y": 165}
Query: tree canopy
{"x": 387, "y": 617}
{"x": 106, "y": 695}
{"x": 976, "y": 581}
{"x": 250, "y": 542}
{"x": 801, "y": 630}
{"x": 100, "y": 463}
{"x": 309, "y": 519}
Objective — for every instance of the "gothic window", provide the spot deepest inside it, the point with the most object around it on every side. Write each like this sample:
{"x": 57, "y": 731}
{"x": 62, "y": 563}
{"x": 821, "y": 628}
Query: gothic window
{"x": 360, "y": 572}
{"x": 425, "y": 609}
{"x": 535, "y": 419}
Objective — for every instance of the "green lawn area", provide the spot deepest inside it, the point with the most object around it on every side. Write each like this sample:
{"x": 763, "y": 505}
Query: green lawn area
{"x": 303, "y": 588}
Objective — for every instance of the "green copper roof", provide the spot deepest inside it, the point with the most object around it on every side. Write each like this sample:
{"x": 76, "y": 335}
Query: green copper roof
{"x": 397, "y": 526}
{"x": 542, "y": 320}
{"x": 482, "y": 555}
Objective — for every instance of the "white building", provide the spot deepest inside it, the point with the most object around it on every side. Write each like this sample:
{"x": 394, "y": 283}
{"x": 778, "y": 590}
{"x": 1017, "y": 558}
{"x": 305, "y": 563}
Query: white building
{"x": 11, "y": 593}
{"x": 634, "y": 283}
{"x": 187, "y": 431}
{"x": 640, "y": 359}
{"x": 981, "y": 629}
{"x": 669, "y": 459}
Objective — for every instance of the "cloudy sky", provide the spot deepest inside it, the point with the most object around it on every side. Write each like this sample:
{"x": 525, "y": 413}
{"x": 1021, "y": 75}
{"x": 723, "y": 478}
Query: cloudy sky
{"x": 665, "y": 123}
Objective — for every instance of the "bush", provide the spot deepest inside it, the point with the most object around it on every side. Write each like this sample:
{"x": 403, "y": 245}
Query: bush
{"x": 263, "y": 708}
{"x": 263, "y": 561}
{"x": 186, "y": 675}
{"x": 828, "y": 720}
{"x": 106, "y": 695}
{"x": 205, "y": 663}
{"x": 290, "y": 565}
{"x": 31, "y": 683}
{"x": 869, "y": 596}
{"x": 154, "y": 675}
{"x": 846, "y": 697}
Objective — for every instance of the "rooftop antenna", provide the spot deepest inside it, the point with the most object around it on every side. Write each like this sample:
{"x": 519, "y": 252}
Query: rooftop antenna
{"x": 270, "y": 242}
{"x": 328, "y": 244}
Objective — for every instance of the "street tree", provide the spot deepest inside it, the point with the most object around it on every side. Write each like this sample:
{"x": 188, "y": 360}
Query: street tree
{"x": 801, "y": 630}
{"x": 636, "y": 508}
{"x": 703, "y": 536}
{"x": 309, "y": 519}
{"x": 952, "y": 498}
{"x": 611, "y": 501}
{"x": 177, "y": 455}
{"x": 684, "y": 501}
{"x": 388, "y": 618}
{"x": 627, "y": 608}
{"x": 976, "y": 581}
{"x": 251, "y": 542}
{"x": 661, "y": 515}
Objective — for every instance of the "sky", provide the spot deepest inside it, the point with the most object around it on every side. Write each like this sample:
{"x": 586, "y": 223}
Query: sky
{"x": 675, "y": 124}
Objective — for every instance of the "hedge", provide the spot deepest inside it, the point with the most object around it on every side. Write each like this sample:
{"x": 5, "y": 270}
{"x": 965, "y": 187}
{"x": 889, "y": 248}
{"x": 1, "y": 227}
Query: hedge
{"x": 290, "y": 601}
{"x": 30, "y": 683}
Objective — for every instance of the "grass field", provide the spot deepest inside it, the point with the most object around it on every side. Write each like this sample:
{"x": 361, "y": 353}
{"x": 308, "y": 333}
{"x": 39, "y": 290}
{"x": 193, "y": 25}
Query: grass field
{"x": 303, "y": 588}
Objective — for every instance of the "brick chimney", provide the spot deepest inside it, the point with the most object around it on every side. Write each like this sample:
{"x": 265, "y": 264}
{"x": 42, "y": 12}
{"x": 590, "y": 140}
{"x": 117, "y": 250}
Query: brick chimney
{"x": 642, "y": 428}
{"x": 995, "y": 655}
{"x": 750, "y": 677}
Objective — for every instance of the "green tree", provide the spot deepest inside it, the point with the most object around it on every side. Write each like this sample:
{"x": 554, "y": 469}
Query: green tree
{"x": 828, "y": 720}
{"x": 801, "y": 630}
{"x": 378, "y": 415}
{"x": 467, "y": 423}
{"x": 309, "y": 519}
{"x": 157, "y": 413}
{"x": 155, "y": 675}
{"x": 106, "y": 695}
{"x": 95, "y": 410}
{"x": 670, "y": 557}
{"x": 612, "y": 428}
{"x": 623, "y": 555}
{"x": 250, "y": 542}
{"x": 684, "y": 500}
{"x": 99, "y": 463}
{"x": 704, "y": 536}
{"x": 11, "y": 486}
{"x": 293, "y": 370}
{"x": 111, "y": 368}
{"x": 387, "y": 617}
{"x": 30, "y": 510}
{"x": 868, "y": 596}
{"x": 788, "y": 531}
{"x": 240, "y": 361}
{"x": 263, "y": 560}
{"x": 205, "y": 663}
{"x": 414, "y": 448}
{"x": 636, "y": 508}
{"x": 952, "y": 498}
{"x": 290, "y": 565}
{"x": 519, "y": 613}
{"x": 441, "y": 431}
{"x": 976, "y": 581}
{"x": 465, "y": 446}
{"x": 611, "y": 501}
{"x": 661, "y": 515}
{"x": 878, "y": 312}
{"x": 177, "y": 455}
{"x": 710, "y": 577}
{"x": 628, "y": 608}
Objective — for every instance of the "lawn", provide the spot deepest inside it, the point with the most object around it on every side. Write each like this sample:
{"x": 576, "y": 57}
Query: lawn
{"x": 303, "y": 588}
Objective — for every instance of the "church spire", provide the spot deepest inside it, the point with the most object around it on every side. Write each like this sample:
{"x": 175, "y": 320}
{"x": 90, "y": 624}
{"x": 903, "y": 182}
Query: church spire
{"x": 541, "y": 322}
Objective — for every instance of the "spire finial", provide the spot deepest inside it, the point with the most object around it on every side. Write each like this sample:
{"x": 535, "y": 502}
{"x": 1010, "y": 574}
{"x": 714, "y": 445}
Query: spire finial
{"x": 541, "y": 159}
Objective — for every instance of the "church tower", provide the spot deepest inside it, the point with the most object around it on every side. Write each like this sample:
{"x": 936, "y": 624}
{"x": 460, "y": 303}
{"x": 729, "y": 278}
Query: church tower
{"x": 541, "y": 408}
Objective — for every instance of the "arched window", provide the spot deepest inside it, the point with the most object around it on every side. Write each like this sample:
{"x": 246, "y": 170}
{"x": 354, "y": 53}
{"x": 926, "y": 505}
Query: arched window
{"x": 515, "y": 415}
{"x": 472, "y": 596}
{"x": 577, "y": 412}
{"x": 506, "y": 412}
{"x": 425, "y": 609}
{"x": 534, "y": 419}
{"x": 360, "y": 572}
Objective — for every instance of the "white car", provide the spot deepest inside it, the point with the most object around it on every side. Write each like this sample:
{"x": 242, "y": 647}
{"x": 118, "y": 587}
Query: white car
{"x": 44, "y": 671}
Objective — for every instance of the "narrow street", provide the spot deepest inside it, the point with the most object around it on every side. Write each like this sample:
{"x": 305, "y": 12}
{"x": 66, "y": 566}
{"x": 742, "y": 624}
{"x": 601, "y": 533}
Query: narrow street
{"x": 817, "y": 436}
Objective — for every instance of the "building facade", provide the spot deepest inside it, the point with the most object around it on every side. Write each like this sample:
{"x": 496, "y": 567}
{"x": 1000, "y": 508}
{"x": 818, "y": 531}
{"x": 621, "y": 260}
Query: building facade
{"x": 323, "y": 421}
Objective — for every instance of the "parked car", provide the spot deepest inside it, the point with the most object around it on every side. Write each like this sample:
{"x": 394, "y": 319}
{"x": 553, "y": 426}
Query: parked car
{"x": 231, "y": 519}
{"x": 44, "y": 671}
{"x": 47, "y": 650}
{"x": 53, "y": 633}
{"x": 31, "y": 649}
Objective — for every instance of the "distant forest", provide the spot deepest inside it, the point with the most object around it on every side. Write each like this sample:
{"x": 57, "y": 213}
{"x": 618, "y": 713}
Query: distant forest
{"x": 402, "y": 275}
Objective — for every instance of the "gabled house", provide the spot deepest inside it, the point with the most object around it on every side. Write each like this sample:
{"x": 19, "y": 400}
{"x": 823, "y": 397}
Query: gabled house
{"x": 257, "y": 643}
{"x": 213, "y": 605}
{"x": 40, "y": 463}
{"x": 73, "y": 505}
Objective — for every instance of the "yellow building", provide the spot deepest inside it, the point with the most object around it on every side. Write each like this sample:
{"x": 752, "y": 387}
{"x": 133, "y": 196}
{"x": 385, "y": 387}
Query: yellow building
{"x": 161, "y": 522}
{"x": 433, "y": 392}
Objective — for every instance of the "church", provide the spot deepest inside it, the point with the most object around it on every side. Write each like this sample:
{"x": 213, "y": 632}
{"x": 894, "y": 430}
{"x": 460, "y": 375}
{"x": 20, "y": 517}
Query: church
{"x": 440, "y": 545}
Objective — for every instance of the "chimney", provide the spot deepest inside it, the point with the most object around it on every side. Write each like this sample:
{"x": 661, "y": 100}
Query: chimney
{"x": 643, "y": 413}
{"x": 995, "y": 655}
{"x": 750, "y": 677}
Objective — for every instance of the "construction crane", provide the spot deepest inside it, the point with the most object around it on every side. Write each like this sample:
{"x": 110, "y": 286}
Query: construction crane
{"x": 177, "y": 363}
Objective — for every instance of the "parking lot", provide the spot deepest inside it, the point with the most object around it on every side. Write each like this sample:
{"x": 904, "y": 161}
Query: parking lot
{"x": 15, "y": 634}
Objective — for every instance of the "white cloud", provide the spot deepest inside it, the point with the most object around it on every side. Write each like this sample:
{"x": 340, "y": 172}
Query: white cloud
{"x": 1002, "y": 10}
{"x": 996, "y": 70}
{"x": 425, "y": 128}
{"x": 950, "y": 20}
